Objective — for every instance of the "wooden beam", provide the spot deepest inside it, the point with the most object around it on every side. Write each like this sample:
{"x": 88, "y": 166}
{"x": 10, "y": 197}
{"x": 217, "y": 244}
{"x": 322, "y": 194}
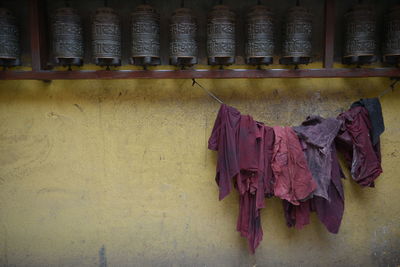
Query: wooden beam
{"x": 37, "y": 27}
{"x": 329, "y": 39}
{"x": 202, "y": 74}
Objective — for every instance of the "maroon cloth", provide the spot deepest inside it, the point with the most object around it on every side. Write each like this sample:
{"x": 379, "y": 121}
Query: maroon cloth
{"x": 264, "y": 161}
{"x": 249, "y": 155}
{"x": 249, "y": 220}
{"x": 355, "y": 143}
{"x": 266, "y": 157}
{"x": 317, "y": 138}
{"x": 244, "y": 151}
{"x": 249, "y": 181}
{"x": 330, "y": 213}
{"x": 224, "y": 140}
{"x": 296, "y": 215}
{"x": 293, "y": 179}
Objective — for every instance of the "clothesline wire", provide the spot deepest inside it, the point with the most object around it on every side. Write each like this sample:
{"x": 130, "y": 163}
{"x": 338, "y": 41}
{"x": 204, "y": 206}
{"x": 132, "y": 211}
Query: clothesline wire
{"x": 390, "y": 89}
{"x": 207, "y": 91}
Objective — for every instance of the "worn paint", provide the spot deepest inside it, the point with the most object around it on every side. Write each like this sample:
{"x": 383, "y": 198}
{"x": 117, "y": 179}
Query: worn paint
{"x": 122, "y": 165}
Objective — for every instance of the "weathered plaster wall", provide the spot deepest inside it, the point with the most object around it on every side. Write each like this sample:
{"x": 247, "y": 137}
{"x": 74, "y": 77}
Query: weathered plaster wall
{"x": 117, "y": 173}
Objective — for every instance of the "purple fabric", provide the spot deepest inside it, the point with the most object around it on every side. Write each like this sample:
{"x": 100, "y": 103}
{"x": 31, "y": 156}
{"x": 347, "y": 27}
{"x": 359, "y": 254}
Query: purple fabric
{"x": 373, "y": 105}
{"x": 317, "y": 135}
{"x": 355, "y": 143}
{"x": 224, "y": 140}
{"x": 297, "y": 216}
{"x": 244, "y": 152}
{"x": 249, "y": 221}
{"x": 266, "y": 157}
{"x": 250, "y": 181}
{"x": 264, "y": 161}
{"x": 330, "y": 213}
{"x": 317, "y": 138}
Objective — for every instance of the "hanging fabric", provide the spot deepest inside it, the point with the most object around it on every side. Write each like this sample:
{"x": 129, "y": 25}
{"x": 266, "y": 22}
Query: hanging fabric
{"x": 297, "y": 164}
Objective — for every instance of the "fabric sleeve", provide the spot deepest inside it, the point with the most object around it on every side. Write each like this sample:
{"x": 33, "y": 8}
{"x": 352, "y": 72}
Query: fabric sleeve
{"x": 213, "y": 141}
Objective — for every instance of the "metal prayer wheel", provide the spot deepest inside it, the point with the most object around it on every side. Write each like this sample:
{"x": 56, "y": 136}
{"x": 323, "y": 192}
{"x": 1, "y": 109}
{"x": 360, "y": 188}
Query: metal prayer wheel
{"x": 391, "y": 45}
{"x": 106, "y": 37}
{"x": 67, "y": 38}
{"x": 183, "y": 46}
{"x": 221, "y": 46}
{"x": 360, "y": 39}
{"x": 145, "y": 27}
{"x": 297, "y": 41}
{"x": 9, "y": 39}
{"x": 259, "y": 46}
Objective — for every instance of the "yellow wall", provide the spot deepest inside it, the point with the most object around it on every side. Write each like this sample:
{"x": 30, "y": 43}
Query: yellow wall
{"x": 124, "y": 165}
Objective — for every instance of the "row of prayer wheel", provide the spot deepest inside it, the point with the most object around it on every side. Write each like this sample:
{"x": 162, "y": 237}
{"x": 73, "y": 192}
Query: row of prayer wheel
{"x": 361, "y": 42}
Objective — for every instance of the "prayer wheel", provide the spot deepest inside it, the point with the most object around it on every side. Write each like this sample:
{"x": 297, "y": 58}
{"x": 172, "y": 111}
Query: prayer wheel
{"x": 297, "y": 36}
{"x": 360, "y": 39}
{"x": 145, "y": 27}
{"x": 221, "y": 45}
{"x": 67, "y": 37}
{"x": 259, "y": 46}
{"x": 9, "y": 39}
{"x": 106, "y": 37}
{"x": 391, "y": 45}
{"x": 183, "y": 46}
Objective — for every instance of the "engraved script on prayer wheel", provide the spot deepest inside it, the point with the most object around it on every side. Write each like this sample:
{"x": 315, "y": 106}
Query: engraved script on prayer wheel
{"x": 67, "y": 37}
{"x": 9, "y": 39}
{"x": 106, "y": 37}
{"x": 183, "y": 46}
{"x": 221, "y": 36}
{"x": 145, "y": 27}
{"x": 360, "y": 41}
{"x": 391, "y": 45}
{"x": 259, "y": 46}
{"x": 297, "y": 46}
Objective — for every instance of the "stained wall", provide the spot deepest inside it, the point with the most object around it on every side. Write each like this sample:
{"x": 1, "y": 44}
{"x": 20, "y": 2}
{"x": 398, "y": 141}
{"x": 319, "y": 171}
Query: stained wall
{"x": 117, "y": 173}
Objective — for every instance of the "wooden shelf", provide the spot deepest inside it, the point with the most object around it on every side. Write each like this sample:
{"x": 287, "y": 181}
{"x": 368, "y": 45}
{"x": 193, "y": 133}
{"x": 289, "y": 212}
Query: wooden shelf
{"x": 39, "y": 53}
{"x": 198, "y": 74}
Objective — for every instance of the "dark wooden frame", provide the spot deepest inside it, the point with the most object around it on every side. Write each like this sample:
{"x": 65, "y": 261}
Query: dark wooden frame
{"x": 37, "y": 17}
{"x": 39, "y": 58}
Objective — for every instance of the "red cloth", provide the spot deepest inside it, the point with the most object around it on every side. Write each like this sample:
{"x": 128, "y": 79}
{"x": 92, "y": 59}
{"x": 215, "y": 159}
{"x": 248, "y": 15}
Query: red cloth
{"x": 355, "y": 142}
{"x": 293, "y": 179}
{"x": 330, "y": 213}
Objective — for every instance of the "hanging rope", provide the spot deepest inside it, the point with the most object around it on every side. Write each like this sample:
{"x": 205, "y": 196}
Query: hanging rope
{"x": 391, "y": 87}
{"x": 207, "y": 91}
